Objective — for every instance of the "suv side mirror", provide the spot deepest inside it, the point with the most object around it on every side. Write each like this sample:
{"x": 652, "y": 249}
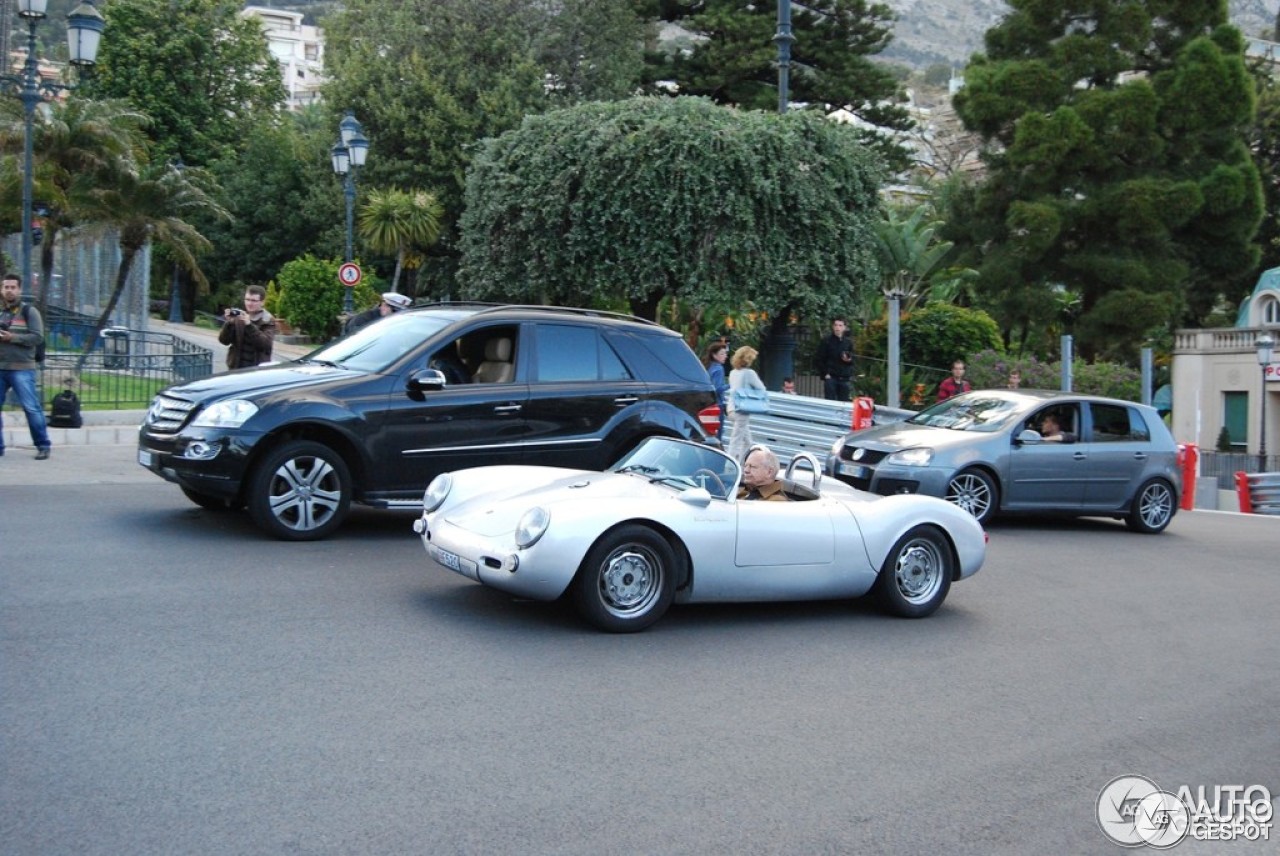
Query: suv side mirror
{"x": 424, "y": 380}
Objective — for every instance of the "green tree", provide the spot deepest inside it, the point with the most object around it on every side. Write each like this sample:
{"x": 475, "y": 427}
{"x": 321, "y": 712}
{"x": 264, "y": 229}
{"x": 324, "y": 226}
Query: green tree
{"x": 284, "y": 200}
{"x": 200, "y": 70}
{"x": 74, "y": 142}
{"x": 401, "y": 222}
{"x": 658, "y": 197}
{"x": 732, "y": 60}
{"x": 1118, "y": 168}
{"x": 911, "y": 257}
{"x": 152, "y": 204}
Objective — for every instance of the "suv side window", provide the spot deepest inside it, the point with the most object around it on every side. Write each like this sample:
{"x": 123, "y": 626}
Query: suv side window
{"x": 571, "y": 353}
{"x": 1113, "y": 423}
{"x": 489, "y": 354}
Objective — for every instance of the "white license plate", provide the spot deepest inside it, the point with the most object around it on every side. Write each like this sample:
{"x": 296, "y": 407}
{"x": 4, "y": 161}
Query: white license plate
{"x": 449, "y": 560}
{"x": 857, "y": 471}
{"x": 144, "y": 458}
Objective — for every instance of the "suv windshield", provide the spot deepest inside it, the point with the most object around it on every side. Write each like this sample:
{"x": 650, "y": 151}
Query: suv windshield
{"x": 376, "y": 346}
{"x": 972, "y": 412}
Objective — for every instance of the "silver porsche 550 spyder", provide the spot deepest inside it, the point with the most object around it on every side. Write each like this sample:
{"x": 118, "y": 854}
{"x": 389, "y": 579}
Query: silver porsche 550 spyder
{"x": 664, "y": 525}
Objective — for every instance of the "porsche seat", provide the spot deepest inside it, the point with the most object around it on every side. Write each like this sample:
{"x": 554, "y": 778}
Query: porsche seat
{"x": 497, "y": 366}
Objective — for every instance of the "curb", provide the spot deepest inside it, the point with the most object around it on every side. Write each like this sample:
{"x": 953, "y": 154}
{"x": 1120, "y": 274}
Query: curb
{"x": 101, "y": 428}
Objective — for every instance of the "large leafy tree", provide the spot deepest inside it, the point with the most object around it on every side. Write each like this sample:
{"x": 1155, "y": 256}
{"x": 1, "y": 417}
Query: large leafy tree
{"x": 283, "y": 198}
{"x": 1118, "y": 169}
{"x": 202, "y": 73}
{"x": 653, "y": 197}
{"x": 731, "y": 58}
{"x": 430, "y": 78}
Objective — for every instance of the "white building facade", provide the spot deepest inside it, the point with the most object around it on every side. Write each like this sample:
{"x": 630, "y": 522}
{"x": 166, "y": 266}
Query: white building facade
{"x": 298, "y": 47}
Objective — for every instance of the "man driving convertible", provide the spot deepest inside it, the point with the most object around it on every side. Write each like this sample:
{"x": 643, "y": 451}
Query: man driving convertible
{"x": 760, "y": 477}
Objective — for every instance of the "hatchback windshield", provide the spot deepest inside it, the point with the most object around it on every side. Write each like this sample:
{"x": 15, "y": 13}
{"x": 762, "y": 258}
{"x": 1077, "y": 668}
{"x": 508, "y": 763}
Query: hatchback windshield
{"x": 973, "y": 412}
{"x": 376, "y": 346}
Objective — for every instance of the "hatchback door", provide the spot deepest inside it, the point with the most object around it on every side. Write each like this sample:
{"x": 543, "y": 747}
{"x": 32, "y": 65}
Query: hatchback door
{"x": 1119, "y": 452}
{"x": 1048, "y": 476}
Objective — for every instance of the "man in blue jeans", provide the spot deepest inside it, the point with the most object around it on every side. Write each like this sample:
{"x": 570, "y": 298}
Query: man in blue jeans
{"x": 21, "y": 330}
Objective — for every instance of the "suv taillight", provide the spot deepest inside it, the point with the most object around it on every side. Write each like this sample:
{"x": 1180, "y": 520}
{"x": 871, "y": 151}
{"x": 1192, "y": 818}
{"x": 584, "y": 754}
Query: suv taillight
{"x": 709, "y": 418}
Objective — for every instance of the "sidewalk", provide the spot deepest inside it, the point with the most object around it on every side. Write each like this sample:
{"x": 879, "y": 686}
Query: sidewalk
{"x": 120, "y": 427}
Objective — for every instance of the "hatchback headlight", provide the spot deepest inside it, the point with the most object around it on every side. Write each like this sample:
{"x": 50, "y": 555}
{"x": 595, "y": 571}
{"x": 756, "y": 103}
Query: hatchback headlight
{"x": 226, "y": 414}
{"x": 531, "y": 526}
{"x": 912, "y": 457}
{"x": 437, "y": 492}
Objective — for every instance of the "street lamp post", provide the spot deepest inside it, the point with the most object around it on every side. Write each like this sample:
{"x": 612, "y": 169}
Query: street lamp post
{"x": 1264, "y": 344}
{"x": 783, "y": 39}
{"x": 175, "y": 291}
{"x": 349, "y": 155}
{"x": 84, "y": 32}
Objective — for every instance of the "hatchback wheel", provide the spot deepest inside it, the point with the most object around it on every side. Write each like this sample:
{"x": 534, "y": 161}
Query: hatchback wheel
{"x": 1153, "y": 507}
{"x": 300, "y": 491}
{"x": 975, "y": 492}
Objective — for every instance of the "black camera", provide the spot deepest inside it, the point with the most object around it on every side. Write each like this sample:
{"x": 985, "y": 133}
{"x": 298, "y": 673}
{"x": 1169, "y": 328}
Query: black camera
{"x": 234, "y": 311}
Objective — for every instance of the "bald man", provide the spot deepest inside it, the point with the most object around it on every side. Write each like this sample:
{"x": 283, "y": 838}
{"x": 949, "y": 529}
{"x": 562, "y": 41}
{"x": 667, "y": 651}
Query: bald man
{"x": 760, "y": 477}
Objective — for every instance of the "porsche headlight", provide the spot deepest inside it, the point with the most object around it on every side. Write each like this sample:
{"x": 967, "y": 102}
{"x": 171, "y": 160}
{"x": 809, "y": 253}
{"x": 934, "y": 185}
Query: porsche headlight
{"x": 437, "y": 492}
{"x": 226, "y": 414}
{"x": 531, "y": 526}
{"x": 911, "y": 457}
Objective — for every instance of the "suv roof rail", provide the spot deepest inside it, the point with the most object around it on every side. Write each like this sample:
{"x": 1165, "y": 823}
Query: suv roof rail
{"x": 537, "y": 307}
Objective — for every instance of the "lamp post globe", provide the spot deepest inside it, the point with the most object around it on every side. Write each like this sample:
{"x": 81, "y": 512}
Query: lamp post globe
{"x": 1265, "y": 345}
{"x": 85, "y": 26}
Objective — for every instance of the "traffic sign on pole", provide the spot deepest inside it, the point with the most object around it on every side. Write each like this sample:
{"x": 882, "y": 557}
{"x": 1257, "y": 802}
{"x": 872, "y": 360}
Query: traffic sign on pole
{"x": 350, "y": 274}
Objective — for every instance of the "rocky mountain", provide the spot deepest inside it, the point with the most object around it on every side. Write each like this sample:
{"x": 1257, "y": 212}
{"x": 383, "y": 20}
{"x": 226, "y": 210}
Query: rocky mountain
{"x": 949, "y": 31}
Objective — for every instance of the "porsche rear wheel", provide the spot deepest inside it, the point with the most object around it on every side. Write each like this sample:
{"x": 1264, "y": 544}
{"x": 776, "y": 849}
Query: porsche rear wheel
{"x": 627, "y": 581}
{"x": 916, "y": 575}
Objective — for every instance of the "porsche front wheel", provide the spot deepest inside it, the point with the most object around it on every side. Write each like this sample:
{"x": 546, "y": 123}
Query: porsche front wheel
{"x": 916, "y": 575}
{"x": 627, "y": 581}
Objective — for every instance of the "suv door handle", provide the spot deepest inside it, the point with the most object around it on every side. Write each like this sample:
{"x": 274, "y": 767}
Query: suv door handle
{"x": 624, "y": 400}
{"x": 508, "y": 408}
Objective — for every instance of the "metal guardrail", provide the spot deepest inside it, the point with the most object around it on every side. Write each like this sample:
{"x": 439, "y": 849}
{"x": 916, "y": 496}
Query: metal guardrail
{"x": 1224, "y": 465}
{"x": 801, "y": 423}
{"x": 1259, "y": 492}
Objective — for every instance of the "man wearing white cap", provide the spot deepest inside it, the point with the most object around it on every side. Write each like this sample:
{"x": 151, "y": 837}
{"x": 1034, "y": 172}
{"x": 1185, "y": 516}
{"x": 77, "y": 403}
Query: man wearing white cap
{"x": 391, "y": 302}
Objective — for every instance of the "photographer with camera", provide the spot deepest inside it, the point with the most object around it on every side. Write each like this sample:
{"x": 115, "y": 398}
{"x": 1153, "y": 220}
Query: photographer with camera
{"x": 21, "y": 332}
{"x": 250, "y": 332}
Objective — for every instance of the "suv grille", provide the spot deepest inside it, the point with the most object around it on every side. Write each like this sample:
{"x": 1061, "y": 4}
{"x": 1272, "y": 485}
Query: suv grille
{"x": 168, "y": 413}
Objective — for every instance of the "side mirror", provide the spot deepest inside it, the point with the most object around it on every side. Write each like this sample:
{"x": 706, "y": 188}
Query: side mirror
{"x": 1028, "y": 438}
{"x": 424, "y": 380}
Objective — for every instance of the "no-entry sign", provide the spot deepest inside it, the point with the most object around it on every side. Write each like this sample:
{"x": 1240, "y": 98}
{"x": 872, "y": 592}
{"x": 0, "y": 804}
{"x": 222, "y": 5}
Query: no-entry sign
{"x": 350, "y": 274}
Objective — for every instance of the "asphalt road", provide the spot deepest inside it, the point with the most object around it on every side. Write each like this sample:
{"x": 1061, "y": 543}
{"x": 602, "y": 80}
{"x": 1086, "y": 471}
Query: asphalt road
{"x": 173, "y": 682}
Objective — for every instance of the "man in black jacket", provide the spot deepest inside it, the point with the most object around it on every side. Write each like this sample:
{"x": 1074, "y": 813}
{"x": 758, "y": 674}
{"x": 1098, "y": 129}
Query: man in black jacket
{"x": 834, "y": 362}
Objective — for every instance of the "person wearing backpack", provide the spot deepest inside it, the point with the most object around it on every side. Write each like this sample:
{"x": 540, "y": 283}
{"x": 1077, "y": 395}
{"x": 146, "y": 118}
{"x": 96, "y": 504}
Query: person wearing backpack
{"x": 21, "y": 334}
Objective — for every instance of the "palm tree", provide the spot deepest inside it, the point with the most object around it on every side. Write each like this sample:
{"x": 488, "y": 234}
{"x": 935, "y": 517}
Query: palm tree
{"x": 401, "y": 222}
{"x": 74, "y": 142}
{"x": 911, "y": 257}
{"x": 154, "y": 205}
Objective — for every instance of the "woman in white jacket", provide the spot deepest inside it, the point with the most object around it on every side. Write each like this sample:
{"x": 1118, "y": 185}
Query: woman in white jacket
{"x": 742, "y": 377}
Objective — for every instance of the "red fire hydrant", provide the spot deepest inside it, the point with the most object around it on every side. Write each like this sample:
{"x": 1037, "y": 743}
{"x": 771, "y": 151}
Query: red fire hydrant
{"x": 864, "y": 407}
{"x": 1189, "y": 460}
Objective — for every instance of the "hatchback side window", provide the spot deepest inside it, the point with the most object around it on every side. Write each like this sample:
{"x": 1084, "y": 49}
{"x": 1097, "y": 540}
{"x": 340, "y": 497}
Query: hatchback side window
{"x": 1113, "y": 423}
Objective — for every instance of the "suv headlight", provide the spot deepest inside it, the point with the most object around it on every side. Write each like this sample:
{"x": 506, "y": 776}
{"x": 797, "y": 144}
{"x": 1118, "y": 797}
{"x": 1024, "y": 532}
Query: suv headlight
{"x": 437, "y": 492}
{"x": 226, "y": 414}
{"x": 911, "y": 457}
{"x": 531, "y": 526}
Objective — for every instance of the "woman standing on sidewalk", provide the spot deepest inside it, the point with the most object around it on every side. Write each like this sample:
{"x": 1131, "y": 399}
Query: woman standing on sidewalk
{"x": 742, "y": 377}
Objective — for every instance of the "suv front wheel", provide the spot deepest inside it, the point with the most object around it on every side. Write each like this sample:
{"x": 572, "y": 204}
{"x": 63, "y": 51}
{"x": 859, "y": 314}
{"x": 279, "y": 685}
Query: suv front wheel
{"x": 300, "y": 491}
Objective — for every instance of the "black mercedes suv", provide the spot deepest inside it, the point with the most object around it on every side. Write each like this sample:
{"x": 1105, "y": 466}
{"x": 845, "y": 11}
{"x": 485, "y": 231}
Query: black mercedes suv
{"x": 373, "y": 417}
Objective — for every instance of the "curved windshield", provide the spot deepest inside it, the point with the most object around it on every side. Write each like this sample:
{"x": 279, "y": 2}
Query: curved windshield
{"x": 682, "y": 465}
{"x": 973, "y": 412}
{"x": 376, "y": 346}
